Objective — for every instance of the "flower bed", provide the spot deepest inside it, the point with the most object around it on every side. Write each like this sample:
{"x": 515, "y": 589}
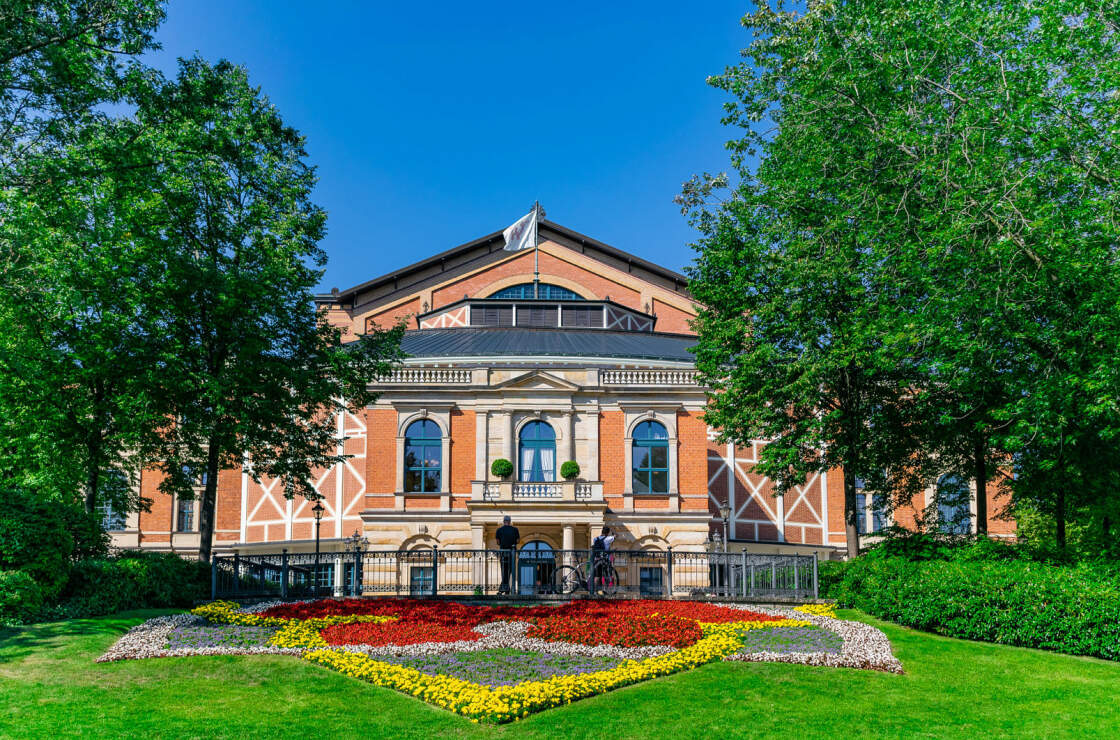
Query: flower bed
{"x": 500, "y": 663}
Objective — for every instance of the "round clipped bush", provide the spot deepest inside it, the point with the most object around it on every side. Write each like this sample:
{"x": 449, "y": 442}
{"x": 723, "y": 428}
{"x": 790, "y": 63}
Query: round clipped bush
{"x": 501, "y": 468}
{"x": 21, "y": 598}
{"x": 569, "y": 470}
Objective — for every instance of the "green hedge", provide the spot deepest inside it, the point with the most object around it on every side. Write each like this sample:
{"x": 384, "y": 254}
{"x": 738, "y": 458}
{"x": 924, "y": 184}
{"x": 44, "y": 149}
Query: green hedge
{"x": 133, "y": 580}
{"x": 1072, "y": 609}
{"x": 21, "y": 597}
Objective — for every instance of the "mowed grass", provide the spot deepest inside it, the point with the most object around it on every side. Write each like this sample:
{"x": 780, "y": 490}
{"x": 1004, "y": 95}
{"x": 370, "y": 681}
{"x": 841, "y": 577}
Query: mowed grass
{"x": 52, "y": 688}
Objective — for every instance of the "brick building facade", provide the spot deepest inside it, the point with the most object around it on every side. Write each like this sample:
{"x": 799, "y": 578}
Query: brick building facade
{"x": 590, "y": 364}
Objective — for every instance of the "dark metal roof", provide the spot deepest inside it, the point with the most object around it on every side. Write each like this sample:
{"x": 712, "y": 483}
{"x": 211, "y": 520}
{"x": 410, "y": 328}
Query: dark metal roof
{"x": 519, "y": 342}
{"x": 495, "y": 243}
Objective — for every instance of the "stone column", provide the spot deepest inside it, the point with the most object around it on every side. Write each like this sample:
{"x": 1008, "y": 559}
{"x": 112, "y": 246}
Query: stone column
{"x": 569, "y": 542}
{"x": 508, "y": 446}
{"x": 568, "y": 450}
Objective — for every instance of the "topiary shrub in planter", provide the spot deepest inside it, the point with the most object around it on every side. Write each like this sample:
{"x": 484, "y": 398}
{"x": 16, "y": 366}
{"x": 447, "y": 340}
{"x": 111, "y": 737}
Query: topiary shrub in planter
{"x": 569, "y": 470}
{"x": 21, "y": 598}
{"x": 501, "y": 468}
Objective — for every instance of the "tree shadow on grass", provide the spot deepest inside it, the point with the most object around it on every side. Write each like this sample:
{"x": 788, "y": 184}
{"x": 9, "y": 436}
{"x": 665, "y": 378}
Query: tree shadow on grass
{"x": 17, "y": 643}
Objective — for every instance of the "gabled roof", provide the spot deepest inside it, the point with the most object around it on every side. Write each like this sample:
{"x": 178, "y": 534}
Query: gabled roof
{"x": 493, "y": 243}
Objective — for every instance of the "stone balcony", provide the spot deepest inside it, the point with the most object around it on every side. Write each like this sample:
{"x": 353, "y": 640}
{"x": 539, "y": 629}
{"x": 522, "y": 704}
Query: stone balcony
{"x": 508, "y": 491}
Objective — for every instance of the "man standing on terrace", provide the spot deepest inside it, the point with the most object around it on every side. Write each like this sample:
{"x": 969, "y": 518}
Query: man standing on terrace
{"x": 507, "y": 537}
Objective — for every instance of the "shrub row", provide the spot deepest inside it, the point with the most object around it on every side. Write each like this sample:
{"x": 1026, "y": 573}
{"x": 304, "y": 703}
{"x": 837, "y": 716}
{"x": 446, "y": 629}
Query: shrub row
{"x": 98, "y": 586}
{"x": 1072, "y": 609}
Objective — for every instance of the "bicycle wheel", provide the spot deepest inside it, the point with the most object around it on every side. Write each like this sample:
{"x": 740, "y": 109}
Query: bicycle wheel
{"x": 567, "y": 580}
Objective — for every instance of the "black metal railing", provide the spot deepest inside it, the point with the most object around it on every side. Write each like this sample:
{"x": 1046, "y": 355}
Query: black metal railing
{"x": 518, "y": 574}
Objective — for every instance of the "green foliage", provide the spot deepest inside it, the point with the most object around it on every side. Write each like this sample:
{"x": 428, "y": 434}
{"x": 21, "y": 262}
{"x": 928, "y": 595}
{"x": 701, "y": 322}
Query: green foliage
{"x": 1070, "y": 609}
{"x": 250, "y": 367}
{"x": 501, "y": 468}
{"x": 59, "y": 59}
{"x": 569, "y": 470}
{"x": 133, "y": 580}
{"x": 35, "y": 538}
{"x": 926, "y": 201}
{"x": 21, "y": 598}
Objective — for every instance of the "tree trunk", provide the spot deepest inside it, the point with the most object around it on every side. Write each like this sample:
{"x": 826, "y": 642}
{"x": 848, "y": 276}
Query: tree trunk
{"x": 1060, "y": 517}
{"x": 206, "y": 510}
{"x": 980, "y": 462}
{"x": 851, "y": 530}
{"x": 92, "y": 482}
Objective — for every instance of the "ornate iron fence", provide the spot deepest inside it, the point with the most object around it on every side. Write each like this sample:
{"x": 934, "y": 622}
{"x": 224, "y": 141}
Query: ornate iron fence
{"x": 516, "y": 574}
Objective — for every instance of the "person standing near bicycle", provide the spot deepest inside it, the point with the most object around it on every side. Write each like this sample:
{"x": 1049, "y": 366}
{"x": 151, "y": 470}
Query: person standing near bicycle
{"x": 601, "y": 555}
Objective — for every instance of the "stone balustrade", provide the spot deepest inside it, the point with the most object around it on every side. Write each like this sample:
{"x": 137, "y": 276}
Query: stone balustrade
{"x": 530, "y": 492}
{"x": 427, "y": 376}
{"x": 648, "y": 377}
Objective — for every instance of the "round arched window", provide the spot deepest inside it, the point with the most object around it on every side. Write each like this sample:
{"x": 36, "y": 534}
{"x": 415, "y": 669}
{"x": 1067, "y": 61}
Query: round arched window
{"x": 651, "y": 458}
{"x": 536, "y": 452}
{"x": 423, "y": 457}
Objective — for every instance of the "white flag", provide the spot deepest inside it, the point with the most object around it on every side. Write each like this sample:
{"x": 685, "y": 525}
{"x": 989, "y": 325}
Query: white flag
{"x": 523, "y": 233}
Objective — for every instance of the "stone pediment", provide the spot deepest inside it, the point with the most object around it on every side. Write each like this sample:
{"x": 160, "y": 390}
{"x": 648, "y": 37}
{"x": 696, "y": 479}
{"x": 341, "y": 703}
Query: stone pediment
{"x": 538, "y": 380}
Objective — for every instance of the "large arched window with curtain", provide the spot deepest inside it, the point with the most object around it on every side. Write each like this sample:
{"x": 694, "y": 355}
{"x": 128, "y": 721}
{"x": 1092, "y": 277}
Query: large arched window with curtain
{"x": 651, "y": 458}
{"x": 954, "y": 514}
{"x": 423, "y": 457}
{"x": 536, "y": 452}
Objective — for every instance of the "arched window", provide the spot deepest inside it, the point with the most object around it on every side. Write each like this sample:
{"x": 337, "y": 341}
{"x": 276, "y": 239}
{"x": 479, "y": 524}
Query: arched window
{"x": 536, "y": 452}
{"x": 423, "y": 455}
{"x": 547, "y": 292}
{"x": 953, "y": 513}
{"x": 651, "y": 458}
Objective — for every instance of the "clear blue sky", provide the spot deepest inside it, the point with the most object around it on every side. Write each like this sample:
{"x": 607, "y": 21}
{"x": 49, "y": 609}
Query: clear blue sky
{"x": 432, "y": 124}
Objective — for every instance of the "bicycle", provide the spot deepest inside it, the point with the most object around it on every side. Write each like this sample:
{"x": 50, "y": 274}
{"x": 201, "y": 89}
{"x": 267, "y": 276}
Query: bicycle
{"x": 602, "y": 579}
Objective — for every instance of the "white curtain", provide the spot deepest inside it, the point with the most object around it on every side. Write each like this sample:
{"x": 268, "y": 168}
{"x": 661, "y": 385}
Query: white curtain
{"x": 526, "y": 464}
{"x": 548, "y": 464}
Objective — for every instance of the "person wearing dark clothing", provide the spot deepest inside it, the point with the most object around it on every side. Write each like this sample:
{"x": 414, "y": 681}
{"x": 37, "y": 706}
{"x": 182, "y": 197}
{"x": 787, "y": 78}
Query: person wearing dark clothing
{"x": 507, "y": 537}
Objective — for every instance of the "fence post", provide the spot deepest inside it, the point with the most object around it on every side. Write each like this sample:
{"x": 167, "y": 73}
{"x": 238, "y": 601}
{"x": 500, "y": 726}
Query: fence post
{"x": 669, "y": 571}
{"x": 773, "y": 577}
{"x": 514, "y": 572}
{"x": 356, "y": 582}
{"x": 284, "y": 573}
{"x": 236, "y": 573}
{"x": 816, "y": 593}
{"x": 435, "y": 570}
{"x": 214, "y": 578}
{"x": 796, "y": 581}
{"x": 751, "y": 593}
{"x": 743, "y": 576}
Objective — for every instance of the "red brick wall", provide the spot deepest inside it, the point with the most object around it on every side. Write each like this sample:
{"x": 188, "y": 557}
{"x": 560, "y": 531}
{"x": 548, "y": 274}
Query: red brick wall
{"x": 389, "y": 317}
{"x": 692, "y": 461}
{"x": 159, "y": 519}
{"x": 671, "y": 318}
{"x": 381, "y": 451}
{"x": 462, "y": 451}
{"x": 612, "y": 466}
{"x": 550, "y": 266}
{"x": 227, "y": 516}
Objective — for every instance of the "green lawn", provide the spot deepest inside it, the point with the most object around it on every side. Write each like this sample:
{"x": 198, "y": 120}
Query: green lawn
{"x": 51, "y": 687}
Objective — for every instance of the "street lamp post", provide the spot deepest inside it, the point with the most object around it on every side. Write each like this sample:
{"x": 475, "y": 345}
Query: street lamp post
{"x": 317, "y": 511}
{"x": 725, "y": 515}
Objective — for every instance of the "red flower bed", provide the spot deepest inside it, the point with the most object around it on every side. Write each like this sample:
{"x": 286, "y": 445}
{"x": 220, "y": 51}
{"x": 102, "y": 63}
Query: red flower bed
{"x": 588, "y": 622}
{"x": 623, "y": 631}
{"x": 397, "y": 633}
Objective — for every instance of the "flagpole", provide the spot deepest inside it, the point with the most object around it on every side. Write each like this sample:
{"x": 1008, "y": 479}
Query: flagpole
{"x": 536, "y": 251}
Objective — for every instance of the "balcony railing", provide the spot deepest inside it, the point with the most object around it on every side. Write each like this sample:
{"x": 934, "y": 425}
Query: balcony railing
{"x": 524, "y": 491}
{"x": 648, "y": 377}
{"x": 427, "y": 376}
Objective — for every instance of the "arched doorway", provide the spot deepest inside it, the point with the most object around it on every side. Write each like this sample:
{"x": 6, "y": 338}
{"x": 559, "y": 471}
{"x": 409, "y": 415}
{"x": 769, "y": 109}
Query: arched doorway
{"x": 536, "y": 566}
